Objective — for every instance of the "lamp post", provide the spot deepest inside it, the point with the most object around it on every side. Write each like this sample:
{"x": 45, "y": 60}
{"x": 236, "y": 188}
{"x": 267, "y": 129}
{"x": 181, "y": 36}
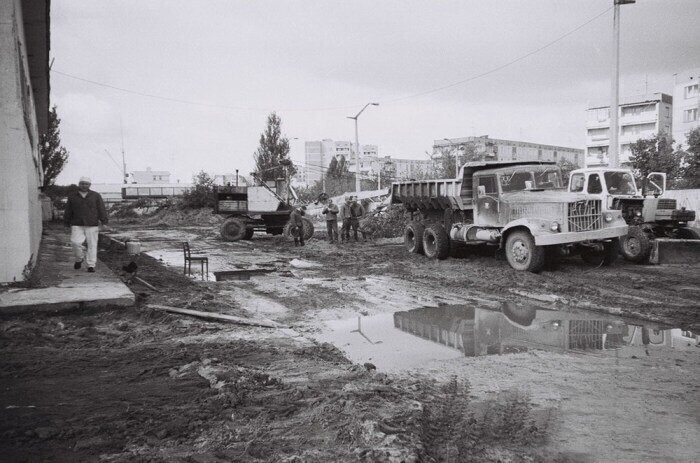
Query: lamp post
{"x": 613, "y": 150}
{"x": 357, "y": 146}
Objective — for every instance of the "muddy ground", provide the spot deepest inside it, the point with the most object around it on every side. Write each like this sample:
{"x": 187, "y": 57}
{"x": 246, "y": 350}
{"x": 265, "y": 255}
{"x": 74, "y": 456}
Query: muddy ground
{"x": 143, "y": 385}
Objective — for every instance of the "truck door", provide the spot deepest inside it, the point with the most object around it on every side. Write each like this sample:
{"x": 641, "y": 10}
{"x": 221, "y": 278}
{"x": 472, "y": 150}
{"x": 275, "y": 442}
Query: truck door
{"x": 487, "y": 200}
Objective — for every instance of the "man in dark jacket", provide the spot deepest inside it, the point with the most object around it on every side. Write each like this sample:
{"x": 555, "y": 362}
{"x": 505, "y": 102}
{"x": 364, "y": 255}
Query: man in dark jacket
{"x": 297, "y": 227}
{"x": 356, "y": 212}
{"x": 331, "y": 213}
{"x": 84, "y": 212}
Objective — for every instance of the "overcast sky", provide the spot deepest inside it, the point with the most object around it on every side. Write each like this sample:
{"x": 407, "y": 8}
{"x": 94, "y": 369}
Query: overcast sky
{"x": 316, "y": 62}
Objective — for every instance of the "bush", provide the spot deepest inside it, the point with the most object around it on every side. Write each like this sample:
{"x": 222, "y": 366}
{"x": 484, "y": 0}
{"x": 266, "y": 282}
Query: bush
{"x": 201, "y": 194}
{"x": 389, "y": 223}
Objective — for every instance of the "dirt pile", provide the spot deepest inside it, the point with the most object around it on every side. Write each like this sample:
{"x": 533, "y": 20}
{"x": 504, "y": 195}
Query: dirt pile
{"x": 168, "y": 215}
{"x": 389, "y": 223}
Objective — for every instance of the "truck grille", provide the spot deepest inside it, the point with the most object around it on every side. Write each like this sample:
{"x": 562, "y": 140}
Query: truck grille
{"x": 588, "y": 334}
{"x": 585, "y": 215}
{"x": 666, "y": 203}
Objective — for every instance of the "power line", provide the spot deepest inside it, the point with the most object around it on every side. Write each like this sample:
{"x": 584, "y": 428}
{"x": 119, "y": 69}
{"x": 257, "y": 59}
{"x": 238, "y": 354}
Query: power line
{"x": 331, "y": 108}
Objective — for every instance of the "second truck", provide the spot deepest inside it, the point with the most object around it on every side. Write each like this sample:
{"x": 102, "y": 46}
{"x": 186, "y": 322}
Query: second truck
{"x": 521, "y": 207}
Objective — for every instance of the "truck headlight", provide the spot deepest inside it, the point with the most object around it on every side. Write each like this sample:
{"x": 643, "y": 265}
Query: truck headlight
{"x": 638, "y": 213}
{"x": 555, "y": 227}
{"x": 608, "y": 217}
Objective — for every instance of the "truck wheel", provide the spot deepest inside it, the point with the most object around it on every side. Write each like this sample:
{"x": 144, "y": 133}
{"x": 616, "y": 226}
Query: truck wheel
{"x": 688, "y": 233}
{"x": 308, "y": 228}
{"x": 635, "y": 246}
{"x": 436, "y": 242}
{"x": 233, "y": 229}
{"x": 413, "y": 237}
{"x": 604, "y": 257}
{"x": 522, "y": 254}
{"x": 249, "y": 233}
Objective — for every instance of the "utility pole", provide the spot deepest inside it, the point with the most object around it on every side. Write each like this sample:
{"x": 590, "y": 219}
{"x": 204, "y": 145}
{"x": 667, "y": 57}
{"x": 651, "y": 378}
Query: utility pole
{"x": 358, "y": 188}
{"x": 614, "y": 148}
{"x": 121, "y": 129}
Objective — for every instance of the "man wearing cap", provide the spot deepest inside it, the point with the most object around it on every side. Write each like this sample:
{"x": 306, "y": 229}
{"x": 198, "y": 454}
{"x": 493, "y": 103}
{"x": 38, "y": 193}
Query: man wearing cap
{"x": 346, "y": 216}
{"x": 84, "y": 212}
{"x": 297, "y": 228}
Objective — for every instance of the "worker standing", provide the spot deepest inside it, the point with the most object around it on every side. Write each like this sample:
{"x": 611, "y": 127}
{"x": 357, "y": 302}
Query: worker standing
{"x": 297, "y": 228}
{"x": 331, "y": 213}
{"x": 346, "y": 215}
{"x": 356, "y": 213}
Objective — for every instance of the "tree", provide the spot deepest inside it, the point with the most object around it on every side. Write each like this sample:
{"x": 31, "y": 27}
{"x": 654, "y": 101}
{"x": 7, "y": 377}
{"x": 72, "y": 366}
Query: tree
{"x": 690, "y": 162}
{"x": 655, "y": 154}
{"x": 566, "y": 167}
{"x": 273, "y": 150}
{"x": 201, "y": 194}
{"x": 53, "y": 155}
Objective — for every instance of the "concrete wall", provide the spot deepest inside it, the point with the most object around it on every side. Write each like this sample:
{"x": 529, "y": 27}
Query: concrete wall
{"x": 690, "y": 199}
{"x": 20, "y": 171}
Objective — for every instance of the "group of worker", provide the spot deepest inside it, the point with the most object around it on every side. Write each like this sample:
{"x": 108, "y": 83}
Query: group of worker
{"x": 350, "y": 214}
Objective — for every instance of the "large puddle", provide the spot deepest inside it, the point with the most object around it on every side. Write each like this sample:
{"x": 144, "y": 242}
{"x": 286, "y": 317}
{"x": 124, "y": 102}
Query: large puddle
{"x": 423, "y": 336}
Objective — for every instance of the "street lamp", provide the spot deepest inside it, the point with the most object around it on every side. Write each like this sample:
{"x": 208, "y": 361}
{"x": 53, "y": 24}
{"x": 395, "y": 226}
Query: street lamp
{"x": 357, "y": 146}
{"x": 613, "y": 150}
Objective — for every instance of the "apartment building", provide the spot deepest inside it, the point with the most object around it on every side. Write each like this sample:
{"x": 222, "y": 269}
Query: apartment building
{"x": 686, "y": 104}
{"x": 24, "y": 115}
{"x": 404, "y": 169}
{"x": 318, "y": 156}
{"x": 484, "y": 148}
{"x": 638, "y": 117}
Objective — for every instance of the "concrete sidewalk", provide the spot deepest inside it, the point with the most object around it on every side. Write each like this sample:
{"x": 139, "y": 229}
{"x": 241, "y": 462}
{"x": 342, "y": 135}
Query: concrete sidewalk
{"x": 59, "y": 286}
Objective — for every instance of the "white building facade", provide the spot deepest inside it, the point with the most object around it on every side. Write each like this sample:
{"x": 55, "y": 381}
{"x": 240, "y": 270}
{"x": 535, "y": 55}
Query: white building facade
{"x": 24, "y": 112}
{"x": 686, "y": 105}
{"x": 638, "y": 118}
{"x": 319, "y": 154}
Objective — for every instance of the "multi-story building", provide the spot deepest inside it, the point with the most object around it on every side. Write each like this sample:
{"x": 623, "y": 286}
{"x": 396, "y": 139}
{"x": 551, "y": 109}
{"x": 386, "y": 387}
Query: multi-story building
{"x": 24, "y": 115}
{"x": 686, "y": 104}
{"x": 493, "y": 149}
{"x": 150, "y": 176}
{"x": 404, "y": 169}
{"x": 638, "y": 117}
{"x": 319, "y": 154}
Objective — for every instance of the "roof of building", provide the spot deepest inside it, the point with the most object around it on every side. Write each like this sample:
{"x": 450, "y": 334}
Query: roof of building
{"x": 639, "y": 99}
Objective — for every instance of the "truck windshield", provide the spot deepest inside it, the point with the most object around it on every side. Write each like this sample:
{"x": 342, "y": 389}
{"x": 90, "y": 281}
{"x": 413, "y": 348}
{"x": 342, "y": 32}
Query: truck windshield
{"x": 620, "y": 183}
{"x": 516, "y": 181}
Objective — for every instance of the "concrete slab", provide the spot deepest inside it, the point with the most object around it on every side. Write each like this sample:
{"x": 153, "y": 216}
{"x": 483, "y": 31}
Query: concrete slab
{"x": 59, "y": 286}
{"x": 674, "y": 251}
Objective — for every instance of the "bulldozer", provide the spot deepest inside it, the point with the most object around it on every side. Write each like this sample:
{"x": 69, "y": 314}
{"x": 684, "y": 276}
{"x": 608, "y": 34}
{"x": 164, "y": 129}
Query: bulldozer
{"x": 264, "y": 206}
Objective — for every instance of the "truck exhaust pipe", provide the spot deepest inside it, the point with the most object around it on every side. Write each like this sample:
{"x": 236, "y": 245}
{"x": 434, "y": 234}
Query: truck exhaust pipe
{"x": 467, "y": 234}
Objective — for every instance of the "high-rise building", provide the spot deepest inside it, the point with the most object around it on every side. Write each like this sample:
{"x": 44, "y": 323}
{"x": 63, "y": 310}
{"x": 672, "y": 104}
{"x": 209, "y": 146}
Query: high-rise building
{"x": 404, "y": 169}
{"x": 319, "y": 154}
{"x": 639, "y": 117}
{"x": 484, "y": 148}
{"x": 686, "y": 104}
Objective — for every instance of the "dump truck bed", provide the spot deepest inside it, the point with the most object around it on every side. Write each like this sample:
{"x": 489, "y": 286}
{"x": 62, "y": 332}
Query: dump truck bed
{"x": 441, "y": 194}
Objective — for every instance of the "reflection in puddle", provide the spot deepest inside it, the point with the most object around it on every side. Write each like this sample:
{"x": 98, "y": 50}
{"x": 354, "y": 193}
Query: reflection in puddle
{"x": 409, "y": 339}
{"x": 228, "y": 275}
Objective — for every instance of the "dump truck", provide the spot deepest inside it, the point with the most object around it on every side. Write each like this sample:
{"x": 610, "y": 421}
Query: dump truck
{"x": 521, "y": 207}
{"x": 649, "y": 215}
{"x": 255, "y": 208}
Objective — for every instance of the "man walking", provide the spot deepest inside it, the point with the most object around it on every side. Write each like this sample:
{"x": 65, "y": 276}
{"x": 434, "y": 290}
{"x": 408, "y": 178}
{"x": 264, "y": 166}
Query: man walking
{"x": 84, "y": 212}
{"x": 297, "y": 227}
{"x": 331, "y": 213}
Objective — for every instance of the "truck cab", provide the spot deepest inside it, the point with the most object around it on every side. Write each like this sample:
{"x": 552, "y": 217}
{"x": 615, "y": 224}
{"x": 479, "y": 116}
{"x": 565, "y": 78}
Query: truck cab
{"x": 649, "y": 215}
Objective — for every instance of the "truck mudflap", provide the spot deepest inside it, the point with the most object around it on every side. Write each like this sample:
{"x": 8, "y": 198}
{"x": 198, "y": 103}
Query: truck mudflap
{"x": 577, "y": 237}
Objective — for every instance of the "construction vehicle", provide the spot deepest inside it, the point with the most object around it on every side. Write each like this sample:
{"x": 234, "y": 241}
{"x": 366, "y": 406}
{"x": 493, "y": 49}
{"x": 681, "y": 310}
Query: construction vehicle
{"x": 648, "y": 215}
{"x": 256, "y": 208}
{"x": 521, "y": 207}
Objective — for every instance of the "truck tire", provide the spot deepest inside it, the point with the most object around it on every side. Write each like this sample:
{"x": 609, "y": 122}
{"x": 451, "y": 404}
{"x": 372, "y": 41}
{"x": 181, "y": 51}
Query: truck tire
{"x": 688, "y": 233}
{"x": 605, "y": 257}
{"x": 413, "y": 237}
{"x": 522, "y": 254}
{"x": 635, "y": 246}
{"x": 308, "y": 229}
{"x": 249, "y": 232}
{"x": 436, "y": 242}
{"x": 233, "y": 229}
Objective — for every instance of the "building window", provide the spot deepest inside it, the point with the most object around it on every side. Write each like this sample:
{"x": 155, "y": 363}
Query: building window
{"x": 539, "y": 154}
{"x": 515, "y": 152}
{"x": 690, "y": 115}
{"x": 603, "y": 114}
{"x": 691, "y": 91}
{"x": 555, "y": 155}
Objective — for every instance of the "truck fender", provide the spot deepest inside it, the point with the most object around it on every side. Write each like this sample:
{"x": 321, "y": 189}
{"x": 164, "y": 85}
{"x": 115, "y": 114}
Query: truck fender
{"x": 534, "y": 226}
